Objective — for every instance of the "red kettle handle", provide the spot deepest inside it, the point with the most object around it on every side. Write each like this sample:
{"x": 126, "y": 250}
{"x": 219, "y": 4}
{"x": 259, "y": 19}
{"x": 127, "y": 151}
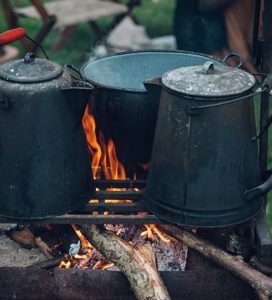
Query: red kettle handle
{"x": 12, "y": 35}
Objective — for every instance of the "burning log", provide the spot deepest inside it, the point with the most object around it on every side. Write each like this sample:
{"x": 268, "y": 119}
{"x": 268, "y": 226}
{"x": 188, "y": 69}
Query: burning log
{"x": 137, "y": 263}
{"x": 235, "y": 264}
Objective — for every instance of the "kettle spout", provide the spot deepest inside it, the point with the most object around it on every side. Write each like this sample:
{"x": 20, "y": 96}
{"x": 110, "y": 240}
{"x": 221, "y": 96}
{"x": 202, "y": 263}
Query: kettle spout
{"x": 77, "y": 96}
{"x": 153, "y": 86}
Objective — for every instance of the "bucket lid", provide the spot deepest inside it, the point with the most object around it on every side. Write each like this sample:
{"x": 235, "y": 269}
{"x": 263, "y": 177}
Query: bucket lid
{"x": 30, "y": 70}
{"x": 208, "y": 80}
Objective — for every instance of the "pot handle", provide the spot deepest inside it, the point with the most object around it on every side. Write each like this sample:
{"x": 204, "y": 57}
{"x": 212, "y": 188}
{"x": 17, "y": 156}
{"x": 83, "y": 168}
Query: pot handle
{"x": 73, "y": 70}
{"x": 233, "y": 54}
{"x": 260, "y": 190}
{"x": 193, "y": 109}
{"x": 77, "y": 96}
{"x": 153, "y": 85}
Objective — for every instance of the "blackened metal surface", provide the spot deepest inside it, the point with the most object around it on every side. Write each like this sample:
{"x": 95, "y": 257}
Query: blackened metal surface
{"x": 129, "y": 183}
{"x": 121, "y": 107}
{"x": 128, "y": 118}
{"x": 30, "y": 283}
{"x": 26, "y": 283}
{"x": 122, "y": 195}
{"x": 266, "y": 68}
{"x": 43, "y": 153}
{"x": 202, "y": 164}
{"x": 91, "y": 219}
{"x": 113, "y": 207}
{"x": 208, "y": 284}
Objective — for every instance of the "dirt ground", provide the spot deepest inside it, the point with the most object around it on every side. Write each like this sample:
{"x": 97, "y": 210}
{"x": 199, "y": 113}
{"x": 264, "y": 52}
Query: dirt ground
{"x": 14, "y": 255}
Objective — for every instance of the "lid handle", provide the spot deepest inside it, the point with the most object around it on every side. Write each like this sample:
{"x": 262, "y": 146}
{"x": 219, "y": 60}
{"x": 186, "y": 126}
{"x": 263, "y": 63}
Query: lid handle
{"x": 236, "y": 55}
{"x": 29, "y": 58}
{"x": 15, "y": 34}
{"x": 12, "y": 35}
{"x": 208, "y": 67}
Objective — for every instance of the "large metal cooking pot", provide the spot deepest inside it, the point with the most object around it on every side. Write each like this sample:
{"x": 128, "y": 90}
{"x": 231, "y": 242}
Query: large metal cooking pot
{"x": 205, "y": 168}
{"x": 43, "y": 154}
{"x": 121, "y": 106}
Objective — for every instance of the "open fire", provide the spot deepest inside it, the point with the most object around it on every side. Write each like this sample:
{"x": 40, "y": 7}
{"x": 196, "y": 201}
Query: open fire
{"x": 105, "y": 165}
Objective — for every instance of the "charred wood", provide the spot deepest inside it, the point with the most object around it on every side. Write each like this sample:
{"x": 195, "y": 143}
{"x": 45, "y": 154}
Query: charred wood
{"x": 49, "y": 263}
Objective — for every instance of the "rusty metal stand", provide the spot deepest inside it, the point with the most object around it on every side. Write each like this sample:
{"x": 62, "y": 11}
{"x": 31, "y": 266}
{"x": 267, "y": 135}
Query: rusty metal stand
{"x": 128, "y": 212}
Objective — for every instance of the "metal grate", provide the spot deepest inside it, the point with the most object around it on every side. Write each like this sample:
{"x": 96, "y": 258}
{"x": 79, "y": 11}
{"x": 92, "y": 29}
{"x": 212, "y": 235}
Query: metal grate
{"x": 119, "y": 213}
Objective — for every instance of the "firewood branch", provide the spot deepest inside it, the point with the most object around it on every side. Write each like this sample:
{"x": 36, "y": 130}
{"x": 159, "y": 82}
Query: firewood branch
{"x": 137, "y": 263}
{"x": 260, "y": 282}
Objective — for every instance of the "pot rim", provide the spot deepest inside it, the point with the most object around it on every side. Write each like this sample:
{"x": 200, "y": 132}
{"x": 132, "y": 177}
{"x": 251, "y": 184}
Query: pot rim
{"x": 133, "y": 90}
{"x": 211, "y": 98}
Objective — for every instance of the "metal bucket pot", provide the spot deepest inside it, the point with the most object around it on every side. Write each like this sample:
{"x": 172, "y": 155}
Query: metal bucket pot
{"x": 205, "y": 165}
{"x": 121, "y": 106}
{"x": 44, "y": 160}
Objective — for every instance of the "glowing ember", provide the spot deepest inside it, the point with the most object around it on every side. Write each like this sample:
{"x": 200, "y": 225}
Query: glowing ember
{"x": 65, "y": 265}
{"x": 150, "y": 229}
{"x": 110, "y": 264}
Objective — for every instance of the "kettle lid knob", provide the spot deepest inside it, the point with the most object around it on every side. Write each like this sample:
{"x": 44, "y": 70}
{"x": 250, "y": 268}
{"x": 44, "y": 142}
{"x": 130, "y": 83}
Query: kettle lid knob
{"x": 208, "y": 67}
{"x": 29, "y": 57}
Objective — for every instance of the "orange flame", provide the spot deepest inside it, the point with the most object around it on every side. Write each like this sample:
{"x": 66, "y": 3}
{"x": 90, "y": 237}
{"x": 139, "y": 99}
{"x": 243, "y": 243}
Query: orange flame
{"x": 116, "y": 168}
{"x": 93, "y": 145}
{"x": 153, "y": 228}
{"x": 110, "y": 264}
{"x": 103, "y": 154}
{"x": 84, "y": 242}
{"x": 65, "y": 265}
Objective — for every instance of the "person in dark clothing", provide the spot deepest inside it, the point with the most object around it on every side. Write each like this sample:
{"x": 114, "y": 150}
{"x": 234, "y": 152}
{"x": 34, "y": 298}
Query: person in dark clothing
{"x": 216, "y": 27}
{"x": 199, "y": 31}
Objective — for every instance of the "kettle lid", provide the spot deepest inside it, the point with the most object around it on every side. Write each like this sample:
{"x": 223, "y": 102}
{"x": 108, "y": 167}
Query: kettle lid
{"x": 30, "y": 70}
{"x": 208, "y": 80}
